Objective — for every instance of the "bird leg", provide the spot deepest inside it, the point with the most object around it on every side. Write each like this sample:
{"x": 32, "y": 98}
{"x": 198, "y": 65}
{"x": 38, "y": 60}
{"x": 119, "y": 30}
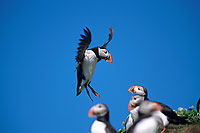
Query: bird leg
{"x": 95, "y": 93}
{"x": 88, "y": 92}
{"x": 163, "y": 130}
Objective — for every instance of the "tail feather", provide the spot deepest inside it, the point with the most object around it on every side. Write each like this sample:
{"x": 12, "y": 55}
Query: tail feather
{"x": 79, "y": 89}
{"x": 78, "y": 92}
{"x": 180, "y": 120}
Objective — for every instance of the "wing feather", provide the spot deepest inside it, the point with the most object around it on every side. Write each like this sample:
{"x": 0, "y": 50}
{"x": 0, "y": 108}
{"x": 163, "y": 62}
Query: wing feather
{"x": 83, "y": 44}
{"x": 110, "y": 37}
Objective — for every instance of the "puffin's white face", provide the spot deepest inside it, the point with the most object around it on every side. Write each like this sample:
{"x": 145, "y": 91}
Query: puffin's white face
{"x": 139, "y": 90}
{"x": 104, "y": 54}
{"x": 99, "y": 109}
{"x": 136, "y": 100}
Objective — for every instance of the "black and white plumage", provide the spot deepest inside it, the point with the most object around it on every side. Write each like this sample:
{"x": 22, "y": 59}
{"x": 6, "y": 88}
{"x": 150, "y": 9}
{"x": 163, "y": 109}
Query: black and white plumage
{"x": 198, "y": 107}
{"x": 139, "y": 90}
{"x": 147, "y": 122}
{"x": 166, "y": 111}
{"x": 136, "y": 101}
{"x": 133, "y": 116}
{"x": 129, "y": 122}
{"x": 87, "y": 60}
{"x": 102, "y": 124}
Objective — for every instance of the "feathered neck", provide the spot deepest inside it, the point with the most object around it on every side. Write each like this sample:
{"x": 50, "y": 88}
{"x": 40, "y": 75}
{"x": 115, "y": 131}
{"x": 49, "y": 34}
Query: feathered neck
{"x": 96, "y": 51}
{"x": 145, "y": 97}
{"x": 104, "y": 118}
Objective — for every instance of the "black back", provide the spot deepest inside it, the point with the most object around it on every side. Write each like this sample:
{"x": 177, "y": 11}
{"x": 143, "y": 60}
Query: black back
{"x": 80, "y": 77}
{"x": 171, "y": 115}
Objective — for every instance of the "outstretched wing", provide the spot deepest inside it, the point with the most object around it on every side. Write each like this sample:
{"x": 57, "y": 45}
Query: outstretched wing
{"x": 110, "y": 37}
{"x": 83, "y": 44}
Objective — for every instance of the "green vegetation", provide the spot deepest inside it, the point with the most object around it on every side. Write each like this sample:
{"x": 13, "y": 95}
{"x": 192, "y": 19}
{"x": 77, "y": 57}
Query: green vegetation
{"x": 123, "y": 130}
{"x": 192, "y": 116}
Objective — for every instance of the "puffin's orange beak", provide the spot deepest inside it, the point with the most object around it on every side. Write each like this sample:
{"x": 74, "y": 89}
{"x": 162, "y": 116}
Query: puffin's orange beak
{"x": 110, "y": 59}
{"x": 90, "y": 113}
{"x": 130, "y": 107}
{"x": 132, "y": 90}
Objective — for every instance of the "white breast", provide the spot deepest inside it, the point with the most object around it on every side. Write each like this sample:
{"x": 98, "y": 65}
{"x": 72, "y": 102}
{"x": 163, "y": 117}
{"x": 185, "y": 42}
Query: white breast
{"x": 98, "y": 127}
{"x": 147, "y": 125}
{"x": 134, "y": 113}
{"x": 132, "y": 117}
{"x": 89, "y": 65}
{"x": 129, "y": 122}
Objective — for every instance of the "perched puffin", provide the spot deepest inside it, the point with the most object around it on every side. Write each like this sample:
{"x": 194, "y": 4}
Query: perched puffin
{"x": 87, "y": 60}
{"x": 102, "y": 124}
{"x": 166, "y": 111}
{"x": 136, "y": 101}
{"x": 198, "y": 107}
{"x": 133, "y": 116}
{"x": 147, "y": 122}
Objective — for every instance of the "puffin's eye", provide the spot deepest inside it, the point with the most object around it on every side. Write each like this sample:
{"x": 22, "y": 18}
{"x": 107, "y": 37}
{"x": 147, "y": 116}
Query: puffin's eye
{"x": 134, "y": 98}
{"x": 100, "y": 106}
{"x": 138, "y": 88}
{"x": 106, "y": 52}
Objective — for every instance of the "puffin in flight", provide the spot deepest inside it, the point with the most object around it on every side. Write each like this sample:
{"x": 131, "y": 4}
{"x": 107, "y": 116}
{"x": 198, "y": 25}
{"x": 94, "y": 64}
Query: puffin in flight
{"x": 147, "y": 121}
{"x": 171, "y": 116}
{"x": 87, "y": 60}
{"x": 102, "y": 124}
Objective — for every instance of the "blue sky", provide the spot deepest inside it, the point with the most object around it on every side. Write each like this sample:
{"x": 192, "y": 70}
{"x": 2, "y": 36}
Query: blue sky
{"x": 155, "y": 44}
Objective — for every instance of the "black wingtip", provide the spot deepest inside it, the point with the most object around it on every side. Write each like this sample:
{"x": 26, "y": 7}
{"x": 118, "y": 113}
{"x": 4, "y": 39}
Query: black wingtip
{"x": 87, "y": 31}
{"x": 110, "y": 37}
{"x": 84, "y": 42}
{"x": 182, "y": 120}
{"x": 78, "y": 93}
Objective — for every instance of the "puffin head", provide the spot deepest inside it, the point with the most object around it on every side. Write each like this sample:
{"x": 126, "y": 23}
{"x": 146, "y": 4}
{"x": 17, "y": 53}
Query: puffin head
{"x": 148, "y": 107}
{"x": 98, "y": 110}
{"x": 135, "y": 101}
{"x": 140, "y": 90}
{"x": 104, "y": 54}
